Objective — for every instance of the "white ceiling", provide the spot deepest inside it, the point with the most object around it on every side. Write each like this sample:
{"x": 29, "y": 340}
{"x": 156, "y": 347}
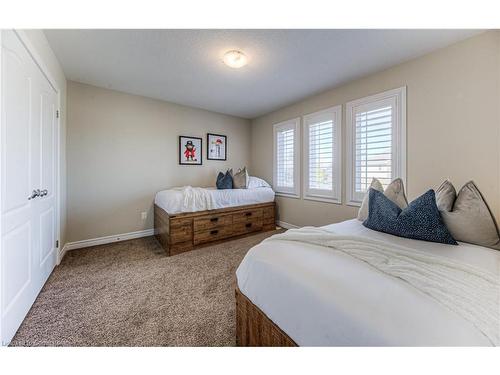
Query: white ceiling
{"x": 285, "y": 66}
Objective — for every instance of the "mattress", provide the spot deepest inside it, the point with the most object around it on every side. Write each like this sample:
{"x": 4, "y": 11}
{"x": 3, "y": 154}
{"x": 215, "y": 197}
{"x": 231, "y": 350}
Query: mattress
{"x": 175, "y": 201}
{"x": 320, "y": 297}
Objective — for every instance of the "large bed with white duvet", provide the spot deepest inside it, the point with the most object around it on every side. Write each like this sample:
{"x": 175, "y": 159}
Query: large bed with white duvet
{"x": 322, "y": 296}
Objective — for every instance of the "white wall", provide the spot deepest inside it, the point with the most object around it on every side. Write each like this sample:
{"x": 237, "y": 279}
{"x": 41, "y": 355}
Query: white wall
{"x": 123, "y": 148}
{"x": 38, "y": 42}
{"x": 453, "y": 124}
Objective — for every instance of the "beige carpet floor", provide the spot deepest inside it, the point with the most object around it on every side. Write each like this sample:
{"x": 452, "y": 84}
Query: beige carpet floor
{"x": 130, "y": 294}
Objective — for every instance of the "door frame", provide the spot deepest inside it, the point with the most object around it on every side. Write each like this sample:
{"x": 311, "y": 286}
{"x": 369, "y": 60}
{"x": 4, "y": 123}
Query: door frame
{"x": 25, "y": 40}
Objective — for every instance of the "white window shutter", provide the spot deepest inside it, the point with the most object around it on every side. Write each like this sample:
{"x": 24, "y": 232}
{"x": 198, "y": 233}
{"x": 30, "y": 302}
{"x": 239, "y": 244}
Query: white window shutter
{"x": 322, "y": 155}
{"x": 286, "y": 167}
{"x": 376, "y": 129}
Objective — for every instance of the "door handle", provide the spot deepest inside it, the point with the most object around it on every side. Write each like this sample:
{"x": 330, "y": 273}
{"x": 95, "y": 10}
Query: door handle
{"x": 36, "y": 193}
{"x": 44, "y": 192}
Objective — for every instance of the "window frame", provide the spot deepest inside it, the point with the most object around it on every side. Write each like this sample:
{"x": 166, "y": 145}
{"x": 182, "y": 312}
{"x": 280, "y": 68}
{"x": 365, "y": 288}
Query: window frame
{"x": 334, "y": 195}
{"x": 284, "y": 191}
{"x": 398, "y": 144}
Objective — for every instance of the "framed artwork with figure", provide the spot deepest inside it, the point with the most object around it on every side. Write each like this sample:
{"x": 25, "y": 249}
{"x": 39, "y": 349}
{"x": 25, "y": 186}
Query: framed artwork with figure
{"x": 190, "y": 150}
{"x": 216, "y": 147}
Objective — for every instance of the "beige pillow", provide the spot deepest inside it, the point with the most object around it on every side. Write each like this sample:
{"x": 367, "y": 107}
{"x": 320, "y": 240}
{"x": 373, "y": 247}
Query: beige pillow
{"x": 240, "y": 179}
{"x": 467, "y": 215}
{"x": 395, "y": 191}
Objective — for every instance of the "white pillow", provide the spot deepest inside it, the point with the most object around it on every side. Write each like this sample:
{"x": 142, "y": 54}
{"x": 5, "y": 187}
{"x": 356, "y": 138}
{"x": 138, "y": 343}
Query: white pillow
{"x": 395, "y": 191}
{"x": 255, "y": 182}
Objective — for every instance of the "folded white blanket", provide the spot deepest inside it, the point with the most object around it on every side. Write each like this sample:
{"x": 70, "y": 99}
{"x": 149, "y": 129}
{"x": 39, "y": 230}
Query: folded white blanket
{"x": 472, "y": 293}
{"x": 196, "y": 199}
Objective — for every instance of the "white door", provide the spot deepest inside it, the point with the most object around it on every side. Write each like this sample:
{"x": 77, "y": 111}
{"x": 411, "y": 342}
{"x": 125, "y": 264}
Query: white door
{"x": 28, "y": 165}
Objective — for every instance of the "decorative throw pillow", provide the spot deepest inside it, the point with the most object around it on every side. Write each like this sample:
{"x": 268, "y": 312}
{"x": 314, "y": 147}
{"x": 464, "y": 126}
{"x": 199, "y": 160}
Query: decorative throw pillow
{"x": 467, "y": 215}
{"x": 395, "y": 191}
{"x": 240, "y": 179}
{"x": 255, "y": 182}
{"x": 224, "y": 181}
{"x": 420, "y": 220}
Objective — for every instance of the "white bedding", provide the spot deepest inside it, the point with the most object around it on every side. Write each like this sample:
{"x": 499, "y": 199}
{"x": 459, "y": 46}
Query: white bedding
{"x": 189, "y": 199}
{"x": 324, "y": 297}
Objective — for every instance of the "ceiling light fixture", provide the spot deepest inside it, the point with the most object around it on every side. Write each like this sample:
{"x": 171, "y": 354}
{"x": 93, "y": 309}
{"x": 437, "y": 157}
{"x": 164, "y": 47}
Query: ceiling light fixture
{"x": 235, "y": 59}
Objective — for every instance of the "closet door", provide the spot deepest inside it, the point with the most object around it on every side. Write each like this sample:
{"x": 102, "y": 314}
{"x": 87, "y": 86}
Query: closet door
{"x": 27, "y": 165}
{"x": 45, "y": 205}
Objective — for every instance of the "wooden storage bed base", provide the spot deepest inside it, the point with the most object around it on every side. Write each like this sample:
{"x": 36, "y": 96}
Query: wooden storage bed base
{"x": 186, "y": 231}
{"x": 254, "y": 328}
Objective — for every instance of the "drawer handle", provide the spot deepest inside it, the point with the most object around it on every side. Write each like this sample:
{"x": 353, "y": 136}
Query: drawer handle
{"x": 214, "y": 219}
{"x": 248, "y": 225}
{"x": 214, "y": 231}
{"x": 248, "y": 214}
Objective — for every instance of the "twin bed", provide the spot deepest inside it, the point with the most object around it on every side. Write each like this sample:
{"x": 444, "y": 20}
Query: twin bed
{"x": 296, "y": 291}
{"x": 187, "y": 218}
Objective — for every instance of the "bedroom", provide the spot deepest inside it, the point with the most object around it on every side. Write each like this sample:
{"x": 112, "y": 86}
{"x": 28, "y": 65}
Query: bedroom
{"x": 200, "y": 187}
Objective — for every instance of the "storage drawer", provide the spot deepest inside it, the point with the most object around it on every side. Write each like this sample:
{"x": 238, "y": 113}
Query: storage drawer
{"x": 268, "y": 212}
{"x": 181, "y": 234}
{"x": 248, "y": 215}
{"x": 212, "y": 235}
{"x": 204, "y": 223}
{"x": 242, "y": 227}
{"x": 180, "y": 222}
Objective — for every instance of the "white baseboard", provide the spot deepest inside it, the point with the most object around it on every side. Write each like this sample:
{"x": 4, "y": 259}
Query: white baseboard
{"x": 286, "y": 225}
{"x": 62, "y": 253}
{"x": 104, "y": 240}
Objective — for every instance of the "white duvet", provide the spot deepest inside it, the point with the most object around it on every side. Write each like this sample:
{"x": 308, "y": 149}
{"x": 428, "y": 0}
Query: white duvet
{"x": 192, "y": 199}
{"x": 348, "y": 285}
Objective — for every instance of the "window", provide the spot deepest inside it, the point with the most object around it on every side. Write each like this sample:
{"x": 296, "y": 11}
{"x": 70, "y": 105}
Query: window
{"x": 322, "y": 155}
{"x": 376, "y": 141}
{"x": 286, "y": 168}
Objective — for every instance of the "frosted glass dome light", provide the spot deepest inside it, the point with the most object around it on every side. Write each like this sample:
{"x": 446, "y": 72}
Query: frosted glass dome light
{"x": 235, "y": 59}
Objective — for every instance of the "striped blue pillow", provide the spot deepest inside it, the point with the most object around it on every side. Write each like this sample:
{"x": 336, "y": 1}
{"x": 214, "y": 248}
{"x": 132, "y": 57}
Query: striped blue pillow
{"x": 421, "y": 220}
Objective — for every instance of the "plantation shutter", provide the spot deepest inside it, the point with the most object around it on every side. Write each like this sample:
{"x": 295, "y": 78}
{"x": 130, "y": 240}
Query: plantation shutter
{"x": 287, "y": 157}
{"x": 285, "y": 161}
{"x": 321, "y": 151}
{"x": 374, "y": 151}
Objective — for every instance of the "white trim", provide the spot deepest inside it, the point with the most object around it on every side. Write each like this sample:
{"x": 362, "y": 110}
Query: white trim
{"x": 398, "y": 143}
{"x": 335, "y": 195}
{"x": 105, "y": 240}
{"x": 295, "y": 191}
{"x": 286, "y": 225}
{"x": 21, "y": 34}
{"x": 61, "y": 253}
{"x": 287, "y": 195}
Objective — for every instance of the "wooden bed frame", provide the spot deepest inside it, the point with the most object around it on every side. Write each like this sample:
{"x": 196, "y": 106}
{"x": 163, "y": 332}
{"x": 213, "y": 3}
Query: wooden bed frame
{"x": 186, "y": 231}
{"x": 254, "y": 328}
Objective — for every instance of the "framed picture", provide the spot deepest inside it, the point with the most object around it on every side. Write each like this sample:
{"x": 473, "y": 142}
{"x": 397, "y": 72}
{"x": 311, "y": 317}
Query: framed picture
{"x": 190, "y": 150}
{"x": 216, "y": 147}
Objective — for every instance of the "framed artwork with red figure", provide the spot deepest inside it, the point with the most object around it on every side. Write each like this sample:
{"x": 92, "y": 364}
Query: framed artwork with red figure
{"x": 190, "y": 150}
{"x": 216, "y": 147}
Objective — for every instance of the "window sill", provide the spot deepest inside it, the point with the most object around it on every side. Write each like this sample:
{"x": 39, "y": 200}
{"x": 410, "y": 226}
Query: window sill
{"x": 287, "y": 195}
{"x": 323, "y": 199}
{"x": 354, "y": 203}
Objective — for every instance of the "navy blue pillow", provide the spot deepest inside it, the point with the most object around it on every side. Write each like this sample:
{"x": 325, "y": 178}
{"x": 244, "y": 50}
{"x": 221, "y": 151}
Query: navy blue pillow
{"x": 224, "y": 181}
{"x": 421, "y": 220}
